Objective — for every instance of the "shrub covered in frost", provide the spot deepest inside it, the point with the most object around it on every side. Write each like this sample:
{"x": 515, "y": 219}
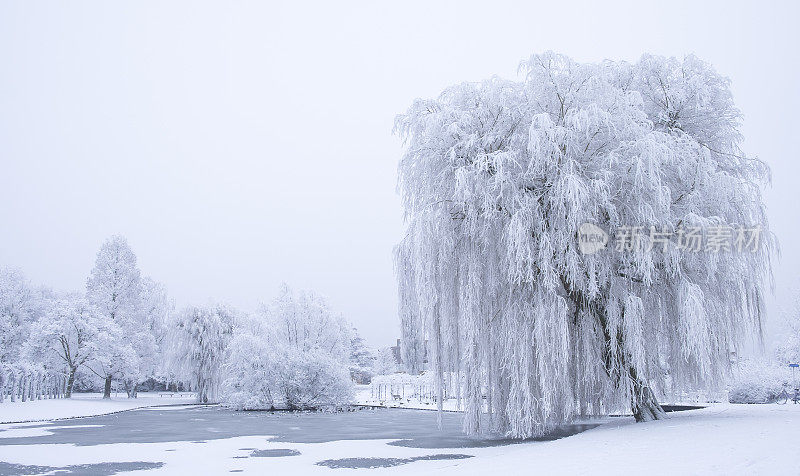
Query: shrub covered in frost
{"x": 757, "y": 383}
{"x": 294, "y": 354}
{"x": 310, "y": 379}
{"x": 248, "y": 374}
{"x": 262, "y": 377}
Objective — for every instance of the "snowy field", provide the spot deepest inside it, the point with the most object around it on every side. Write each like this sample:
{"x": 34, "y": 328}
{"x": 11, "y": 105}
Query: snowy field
{"x": 84, "y": 404}
{"x": 721, "y": 439}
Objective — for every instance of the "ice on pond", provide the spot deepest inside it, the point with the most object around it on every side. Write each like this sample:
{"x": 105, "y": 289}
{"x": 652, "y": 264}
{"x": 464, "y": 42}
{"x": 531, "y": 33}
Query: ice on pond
{"x": 409, "y": 428}
{"x": 274, "y": 453}
{"x": 365, "y": 463}
{"x": 93, "y": 469}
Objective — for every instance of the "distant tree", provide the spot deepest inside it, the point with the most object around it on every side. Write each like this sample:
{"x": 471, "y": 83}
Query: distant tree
{"x": 497, "y": 179}
{"x": 295, "y": 353}
{"x": 114, "y": 285}
{"x": 311, "y": 379}
{"x": 115, "y": 288}
{"x": 385, "y": 363}
{"x": 146, "y": 332}
{"x": 250, "y": 370}
{"x": 305, "y": 321}
{"x": 788, "y": 349}
{"x": 23, "y": 372}
{"x": 156, "y": 314}
{"x": 67, "y": 337}
{"x": 20, "y": 306}
{"x": 361, "y": 359}
{"x": 113, "y": 356}
{"x": 200, "y": 340}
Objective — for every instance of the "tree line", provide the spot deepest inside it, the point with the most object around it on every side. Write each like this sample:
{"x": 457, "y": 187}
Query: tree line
{"x": 123, "y": 330}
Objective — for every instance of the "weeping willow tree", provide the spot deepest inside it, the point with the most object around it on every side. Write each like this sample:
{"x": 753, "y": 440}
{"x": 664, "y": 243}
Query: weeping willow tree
{"x": 497, "y": 179}
{"x": 200, "y": 338}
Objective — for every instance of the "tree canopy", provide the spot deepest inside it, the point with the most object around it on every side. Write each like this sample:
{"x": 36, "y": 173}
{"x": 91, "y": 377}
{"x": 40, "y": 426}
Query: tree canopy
{"x": 496, "y": 181}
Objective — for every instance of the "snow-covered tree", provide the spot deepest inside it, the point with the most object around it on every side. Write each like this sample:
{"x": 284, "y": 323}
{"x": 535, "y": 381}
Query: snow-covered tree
{"x": 66, "y": 337}
{"x": 250, "y": 370}
{"x": 412, "y": 326}
{"x": 311, "y": 379}
{"x": 113, "y": 356}
{"x": 361, "y": 359}
{"x": 758, "y": 381}
{"x": 305, "y": 321}
{"x": 295, "y": 353}
{"x": 385, "y": 363}
{"x": 263, "y": 376}
{"x": 788, "y": 349}
{"x": 115, "y": 288}
{"x": 115, "y": 332}
{"x": 138, "y": 307}
{"x": 20, "y": 306}
{"x": 146, "y": 332}
{"x": 200, "y": 339}
{"x": 497, "y": 180}
{"x": 156, "y": 311}
{"x": 24, "y": 372}
{"x": 114, "y": 285}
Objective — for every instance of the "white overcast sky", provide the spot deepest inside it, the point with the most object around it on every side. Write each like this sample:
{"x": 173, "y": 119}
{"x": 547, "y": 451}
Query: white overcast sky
{"x": 241, "y": 144}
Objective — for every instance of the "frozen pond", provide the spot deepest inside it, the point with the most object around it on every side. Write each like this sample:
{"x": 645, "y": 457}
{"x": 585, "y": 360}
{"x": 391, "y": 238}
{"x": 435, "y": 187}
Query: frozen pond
{"x": 414, "y": 428}
{"x": 200, "y": 425}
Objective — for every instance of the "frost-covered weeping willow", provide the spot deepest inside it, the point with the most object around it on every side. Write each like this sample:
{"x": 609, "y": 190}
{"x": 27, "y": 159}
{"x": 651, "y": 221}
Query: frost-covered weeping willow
{"x": 200, "y": 338}
{"x": 496, "y": 180}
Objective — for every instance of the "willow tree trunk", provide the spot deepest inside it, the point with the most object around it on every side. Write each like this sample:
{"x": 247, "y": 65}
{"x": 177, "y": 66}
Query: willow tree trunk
{"x": 107, "y": 388}
{"x": 644, "y": 405}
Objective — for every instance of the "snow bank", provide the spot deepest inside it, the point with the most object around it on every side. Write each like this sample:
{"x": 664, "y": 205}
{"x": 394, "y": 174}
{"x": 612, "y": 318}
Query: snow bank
{"x": 81, "y": 405}
{"x": 721, "y": 439}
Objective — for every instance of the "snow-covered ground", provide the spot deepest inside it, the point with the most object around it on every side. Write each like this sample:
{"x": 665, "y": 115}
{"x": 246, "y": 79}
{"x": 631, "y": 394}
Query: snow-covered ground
{"x": 721, "y": 439}
{"x": 83, "y": 404}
